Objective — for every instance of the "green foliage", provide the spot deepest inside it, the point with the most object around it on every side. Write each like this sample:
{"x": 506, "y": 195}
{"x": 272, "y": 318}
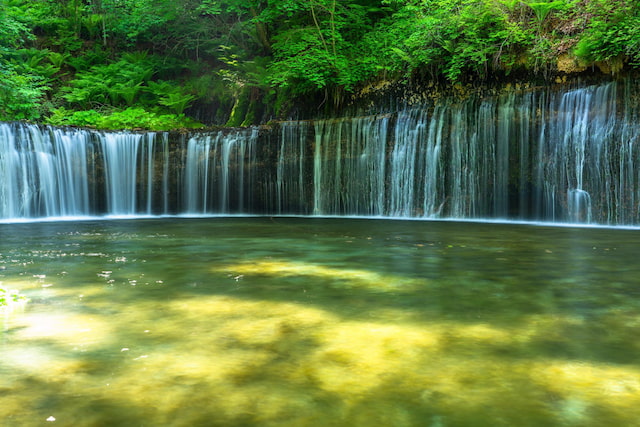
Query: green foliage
{"x": 542, "y": 9}
{"x": 114, "y": 84}
{"x": 481, "y": 36}
{"x": 138, "y": 118}
{"x": 301, "y": 59}
{"x": 177, "y": 102}
{"x": 132, "y": 21}
{"x": 63, "y": 117}
{"x": 126, "y": 82}
{"x": 613, "y": 31}
{"x": 171, "y": 96}
{"x": 130, "y": 118}
{"x": 323, "y": 49}
{"x": 21, "y": 95}
{"x": 33, "y": 61}
{"x": 13, "y": 32}
{"x": 88, "y": 58}
{"x": 93, "y": 25}
{"x": 23, "y": 79}
{"x": 452, "y": 38}
{"x": 58, "y": 59}
{"x": 246, "y": 59}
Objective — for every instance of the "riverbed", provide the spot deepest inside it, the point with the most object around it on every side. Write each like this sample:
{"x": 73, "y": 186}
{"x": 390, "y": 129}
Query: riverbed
{"x": 319, "y": 322}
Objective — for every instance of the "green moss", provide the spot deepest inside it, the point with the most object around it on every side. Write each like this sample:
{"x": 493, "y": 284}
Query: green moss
{"x": 238, "y": 112}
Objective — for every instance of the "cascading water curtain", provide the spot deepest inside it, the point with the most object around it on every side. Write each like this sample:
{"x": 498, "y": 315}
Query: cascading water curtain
{"x": 349, "y": 166}
{"x": 292, "y": 191}
{"x": 588, "y": 158}
{"x": 529, "y": 155}
{"x": 218, "y": 175}
{"x": 543, "y": 155}
{"x": 136, "y": 173}
{"x": 43, "y": 172}
{"x": 121, "y": 151}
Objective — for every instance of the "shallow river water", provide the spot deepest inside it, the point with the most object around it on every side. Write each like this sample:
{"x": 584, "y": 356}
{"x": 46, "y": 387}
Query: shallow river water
{"x": 319, "y": 322}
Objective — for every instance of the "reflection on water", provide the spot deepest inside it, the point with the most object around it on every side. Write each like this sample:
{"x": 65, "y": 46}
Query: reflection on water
{"x": 319, "y": 322}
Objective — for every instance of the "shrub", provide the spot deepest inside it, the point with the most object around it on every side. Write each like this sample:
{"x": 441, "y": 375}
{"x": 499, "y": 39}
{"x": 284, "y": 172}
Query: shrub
{"x": 130, "y": 118}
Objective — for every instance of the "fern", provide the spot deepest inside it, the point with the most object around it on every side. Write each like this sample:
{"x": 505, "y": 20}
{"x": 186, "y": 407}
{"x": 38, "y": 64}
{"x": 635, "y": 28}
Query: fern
{"x": 542, "y": 9}
{"x": 177, "y": 102}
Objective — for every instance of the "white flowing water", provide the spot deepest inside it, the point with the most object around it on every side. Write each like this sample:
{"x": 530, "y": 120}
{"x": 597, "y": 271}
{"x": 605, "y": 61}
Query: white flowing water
{"x": 291, "y": 188}
{"x": 121, "y": 165}
{"x": 43, "y": 172}
{"x": 540, "y": 155}
{"x": 350, "y": 166}
{"x": 215, "y": 177}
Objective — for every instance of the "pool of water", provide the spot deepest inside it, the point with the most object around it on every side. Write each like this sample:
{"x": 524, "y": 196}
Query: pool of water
{"x": 319, "y": 322}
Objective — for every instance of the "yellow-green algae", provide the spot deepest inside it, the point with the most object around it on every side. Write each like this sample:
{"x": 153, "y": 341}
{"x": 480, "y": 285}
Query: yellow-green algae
{"x": 270, "y": 363}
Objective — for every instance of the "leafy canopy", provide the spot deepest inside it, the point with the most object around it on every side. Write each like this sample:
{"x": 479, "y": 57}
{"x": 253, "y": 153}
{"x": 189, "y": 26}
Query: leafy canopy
{"x": 245, "y": 61}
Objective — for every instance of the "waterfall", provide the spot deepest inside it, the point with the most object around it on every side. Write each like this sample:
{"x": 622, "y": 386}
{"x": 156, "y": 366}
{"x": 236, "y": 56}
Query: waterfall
{"x": 292, "y": 168}
{"x": 197, "y": 174}
{"x": 542, "y": 155}
{"x": 121, "y": 165}
{"x": 578, "y": 157}
{"x": 43, "y": 172}
{"x": 409, "y": 131}
{"x": 136, "y": 173}
{"x": 349, "y": 166}
{"x": 216, "y": 179}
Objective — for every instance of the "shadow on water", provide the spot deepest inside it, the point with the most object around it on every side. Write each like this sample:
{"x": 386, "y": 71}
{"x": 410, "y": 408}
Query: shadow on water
{"x": 285, "y": 321}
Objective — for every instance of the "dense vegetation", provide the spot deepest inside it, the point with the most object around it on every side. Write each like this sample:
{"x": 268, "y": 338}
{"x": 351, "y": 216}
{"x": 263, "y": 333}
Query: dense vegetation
{"x": 153, "y": 63}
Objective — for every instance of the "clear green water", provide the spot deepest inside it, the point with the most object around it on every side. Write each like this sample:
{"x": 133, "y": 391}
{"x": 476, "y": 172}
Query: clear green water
{"x": 319, "y": 322}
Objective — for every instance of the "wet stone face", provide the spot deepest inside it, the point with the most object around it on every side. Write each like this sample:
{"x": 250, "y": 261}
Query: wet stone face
{"x": 283, "y": 321}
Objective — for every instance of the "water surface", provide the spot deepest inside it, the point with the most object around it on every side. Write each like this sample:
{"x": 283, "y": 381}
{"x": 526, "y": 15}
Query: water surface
{"x": 319, "y": 322}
